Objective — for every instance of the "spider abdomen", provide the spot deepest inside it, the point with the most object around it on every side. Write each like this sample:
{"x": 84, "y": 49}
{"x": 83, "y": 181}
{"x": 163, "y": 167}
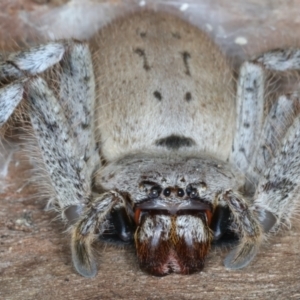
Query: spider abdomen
{"x": 166, "y": 88}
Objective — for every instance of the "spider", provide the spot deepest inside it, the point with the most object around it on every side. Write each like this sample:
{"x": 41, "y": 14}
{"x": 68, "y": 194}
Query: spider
{"x": 156, "y": 149}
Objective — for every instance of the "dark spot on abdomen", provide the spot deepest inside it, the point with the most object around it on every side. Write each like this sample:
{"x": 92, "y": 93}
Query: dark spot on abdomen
{"x": 186, "y": 56}
{"x": 141, "y": 53}
{"x": 188, "y": 96}
{"x": 176, "y": 35}
{"x": 174, "y": 142}
{"x": 157, "y": 95}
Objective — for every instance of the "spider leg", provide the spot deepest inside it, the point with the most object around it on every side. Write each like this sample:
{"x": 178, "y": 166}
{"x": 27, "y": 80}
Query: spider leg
{"x": 277, "y": 122}
{"x": 280, "y": 59}
{"x": 77, "y": 97}
{"x": 31, "y": 62}
{"x": 66, "y": 160}
{"x": 250, "y": 106}
{"x": 61, "y": 116}
{"x": 249, "y": 227}
{"x": 71, "y": 177}
{"x": 282, "y": 112}
{"x": 66, "y": 167}
{"x": 61, "y": 112}
{"x": 250, "y": 101}
{"x": 277, "y": 154}
{"x": 274, "y": 167}
{"x": 278, "y": 187}
{"x": 16, "y": 68}
{"x": 92, "y": 224}
{"x": 10, "y": 96}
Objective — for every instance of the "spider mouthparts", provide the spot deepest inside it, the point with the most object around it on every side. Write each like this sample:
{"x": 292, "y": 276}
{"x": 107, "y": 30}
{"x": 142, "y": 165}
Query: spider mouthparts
{"x": 162, "y": 265}
{"x": 172, "y": 244}
{"x": 168, "y": 208}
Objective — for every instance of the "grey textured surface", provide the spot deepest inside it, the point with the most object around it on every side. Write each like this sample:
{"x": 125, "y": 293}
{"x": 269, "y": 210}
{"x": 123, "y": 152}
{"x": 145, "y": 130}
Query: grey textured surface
{"x": 35, "y": 258}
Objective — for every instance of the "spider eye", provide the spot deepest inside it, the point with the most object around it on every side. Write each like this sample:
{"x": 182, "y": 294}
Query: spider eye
{"x": 192, "y": 192}
{"x": 180, "y": 193}
{"x": 155, "y": 192}
{"x": 167, "y": 192}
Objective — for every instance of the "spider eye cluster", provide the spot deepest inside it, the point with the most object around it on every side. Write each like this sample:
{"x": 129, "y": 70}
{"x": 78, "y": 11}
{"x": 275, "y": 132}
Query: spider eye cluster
{"x": 190, "y": 191}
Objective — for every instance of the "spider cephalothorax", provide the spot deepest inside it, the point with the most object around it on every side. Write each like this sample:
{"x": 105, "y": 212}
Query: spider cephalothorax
{"x": 144, "y": 141}
{"x": 173, "y": 209}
